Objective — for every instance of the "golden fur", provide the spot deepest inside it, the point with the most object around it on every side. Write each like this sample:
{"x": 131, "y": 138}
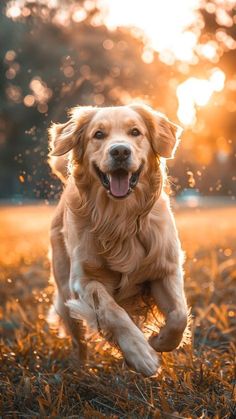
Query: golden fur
{"x": 108, "y": 253}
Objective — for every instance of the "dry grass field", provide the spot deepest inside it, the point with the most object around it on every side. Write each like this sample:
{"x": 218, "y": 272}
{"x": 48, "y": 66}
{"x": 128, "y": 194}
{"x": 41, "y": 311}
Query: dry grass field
{"x": 38, "y": 373}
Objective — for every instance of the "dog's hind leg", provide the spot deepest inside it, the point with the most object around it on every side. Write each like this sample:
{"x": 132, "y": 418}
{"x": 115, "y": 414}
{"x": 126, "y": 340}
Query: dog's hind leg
{"x": 61, "y": 273}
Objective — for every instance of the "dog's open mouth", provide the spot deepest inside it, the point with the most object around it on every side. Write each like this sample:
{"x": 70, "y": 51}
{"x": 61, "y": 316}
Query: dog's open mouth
{"x": 120, "y": 183}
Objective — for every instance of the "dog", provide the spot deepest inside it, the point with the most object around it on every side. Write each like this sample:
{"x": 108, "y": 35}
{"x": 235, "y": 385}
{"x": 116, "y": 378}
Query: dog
{"x": 113, "y": 235}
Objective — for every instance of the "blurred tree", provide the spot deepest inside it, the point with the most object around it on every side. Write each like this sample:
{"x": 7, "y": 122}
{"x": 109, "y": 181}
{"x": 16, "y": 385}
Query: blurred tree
{"x": 56, "y": 58}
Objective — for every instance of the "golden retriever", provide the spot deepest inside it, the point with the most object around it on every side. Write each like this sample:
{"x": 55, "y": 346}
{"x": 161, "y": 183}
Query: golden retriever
{"x": 113, "y": 235}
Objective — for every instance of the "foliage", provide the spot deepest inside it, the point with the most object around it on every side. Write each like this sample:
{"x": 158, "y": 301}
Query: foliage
{"x": 52, "y": 62}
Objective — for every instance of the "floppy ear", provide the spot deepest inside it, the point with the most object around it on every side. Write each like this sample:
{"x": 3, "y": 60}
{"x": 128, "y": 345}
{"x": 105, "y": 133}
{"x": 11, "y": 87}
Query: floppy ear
{"x": 64, "y": 137}
{"x": 164, "y": 134}
{"x": 166, "y": 137}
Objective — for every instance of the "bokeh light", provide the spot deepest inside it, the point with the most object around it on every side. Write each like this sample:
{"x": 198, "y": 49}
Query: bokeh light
{"x": 164, "y": 25}
{"x": 197, "y": 92}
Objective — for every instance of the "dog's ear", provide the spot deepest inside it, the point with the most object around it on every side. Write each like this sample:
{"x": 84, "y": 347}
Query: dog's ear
{"x": 64, "y": 137}
{"x": 164, "y": 134}
{"x": 166, "y": 138}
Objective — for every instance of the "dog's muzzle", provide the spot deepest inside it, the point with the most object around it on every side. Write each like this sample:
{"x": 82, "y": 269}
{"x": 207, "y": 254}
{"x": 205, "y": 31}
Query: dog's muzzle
{"x": 119, "y": 182}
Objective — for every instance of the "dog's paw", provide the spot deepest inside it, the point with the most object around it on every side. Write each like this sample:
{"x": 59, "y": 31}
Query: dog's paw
{"x": 173, "y": 334}
{"x": 162, "y": 343}
{"x": 140, "y": 355}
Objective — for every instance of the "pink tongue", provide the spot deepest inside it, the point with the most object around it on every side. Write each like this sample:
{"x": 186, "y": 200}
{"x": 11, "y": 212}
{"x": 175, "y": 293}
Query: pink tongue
{"x": 119, "y": 183}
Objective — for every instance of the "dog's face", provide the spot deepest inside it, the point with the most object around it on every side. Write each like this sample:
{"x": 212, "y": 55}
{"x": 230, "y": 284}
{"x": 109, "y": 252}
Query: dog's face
{"x": 116, "y": 144}
{"x": 117, "y": 149}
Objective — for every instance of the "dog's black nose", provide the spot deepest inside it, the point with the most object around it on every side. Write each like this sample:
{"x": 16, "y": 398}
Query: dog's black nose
{"x": 120, "y": 152}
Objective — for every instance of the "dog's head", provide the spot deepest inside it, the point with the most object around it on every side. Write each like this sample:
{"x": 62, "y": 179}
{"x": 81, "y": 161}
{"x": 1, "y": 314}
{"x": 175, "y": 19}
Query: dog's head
{"x": 117, "y": 147}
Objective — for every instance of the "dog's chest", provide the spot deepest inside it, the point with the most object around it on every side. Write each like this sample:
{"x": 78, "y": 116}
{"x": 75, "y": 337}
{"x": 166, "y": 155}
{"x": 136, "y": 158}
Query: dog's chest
{"x": 125, "y": 256}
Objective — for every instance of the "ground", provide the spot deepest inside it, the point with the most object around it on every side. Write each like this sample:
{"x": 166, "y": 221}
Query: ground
{"x": 39, "y": 376}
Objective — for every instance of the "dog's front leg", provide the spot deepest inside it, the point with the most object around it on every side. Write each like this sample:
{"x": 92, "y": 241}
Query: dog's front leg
{"x": 168, "y": 293}
{"x": 98, "y": 308}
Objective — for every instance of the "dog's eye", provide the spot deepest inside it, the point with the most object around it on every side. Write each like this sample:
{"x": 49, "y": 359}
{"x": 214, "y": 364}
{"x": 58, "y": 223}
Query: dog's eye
{"x": 135, "y": 132}
{"x": 99, "y": 135}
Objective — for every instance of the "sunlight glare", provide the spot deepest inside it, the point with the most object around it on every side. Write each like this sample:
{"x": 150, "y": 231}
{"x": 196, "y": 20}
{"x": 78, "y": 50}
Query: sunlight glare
{"x": 195, "y": 92}
{"x": 13, "y": 11}
{"x": 217, "y": 80}
{"x": 209, "y": 50}
{"x": 164, "y": 24}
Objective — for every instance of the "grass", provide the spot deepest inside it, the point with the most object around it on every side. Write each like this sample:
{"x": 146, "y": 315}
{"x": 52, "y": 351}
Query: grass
{"x": 39, "y": 376}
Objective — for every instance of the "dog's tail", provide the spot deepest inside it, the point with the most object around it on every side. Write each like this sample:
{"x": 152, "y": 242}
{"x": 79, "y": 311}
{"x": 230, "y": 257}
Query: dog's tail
{"x": 59, "y": 166}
